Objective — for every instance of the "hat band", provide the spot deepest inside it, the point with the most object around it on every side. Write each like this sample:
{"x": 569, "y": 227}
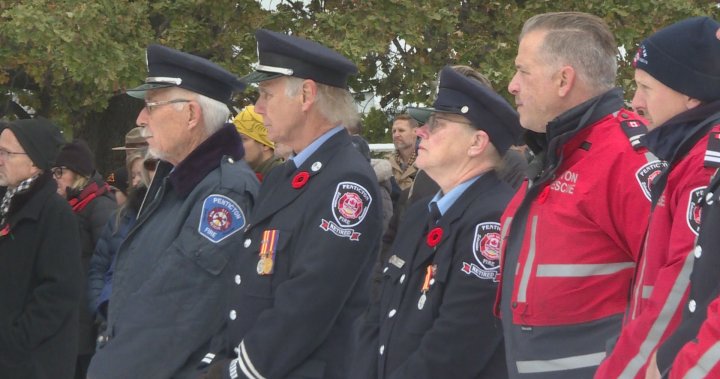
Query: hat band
{"x": 163, "y": 79}
{"x": 277, "y": 70}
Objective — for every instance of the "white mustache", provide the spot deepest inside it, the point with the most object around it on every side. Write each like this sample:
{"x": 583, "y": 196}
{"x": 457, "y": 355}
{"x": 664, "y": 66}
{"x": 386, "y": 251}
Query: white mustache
{"x": 145, "y": 133}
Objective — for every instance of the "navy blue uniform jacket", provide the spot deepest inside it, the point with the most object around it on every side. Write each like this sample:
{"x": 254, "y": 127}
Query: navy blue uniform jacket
{"x": 455, "y": 334}
{"x": 324, "y": 231}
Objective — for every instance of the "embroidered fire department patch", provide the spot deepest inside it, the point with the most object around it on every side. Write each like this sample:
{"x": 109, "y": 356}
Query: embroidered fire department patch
{"x": 647, "y": 174}
{"x": 220, "y": 218}
{"x": 694, "y": 210}
{"x": 350, "y": 205}
{"x": 486, "y": 249}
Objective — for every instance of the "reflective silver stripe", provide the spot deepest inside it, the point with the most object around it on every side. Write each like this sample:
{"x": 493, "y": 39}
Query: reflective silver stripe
{"x": 706, "y": 363}
{"x": 581, "y": 270}
{"x": 659, "y": 326}
{"x": 246, "y": 365}
{"x": 503, "y": 234}
{"x": 560, "y": 364}
{"x": 639, "y": 279}
{"x": 163, "y": 79}
{"x": 278, "y": 70}
{"x": 634, "y": 140}
{"x": 711, "y": 156}
{"x": 522, "y": 292}
{"x": 647, "y": 291}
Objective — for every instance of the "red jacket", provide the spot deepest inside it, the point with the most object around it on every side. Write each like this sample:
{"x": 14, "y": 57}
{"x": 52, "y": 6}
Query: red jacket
{"x": 583, "y": 231}
{"x": 663, "y": 274}
{"x": 700, "y": 358}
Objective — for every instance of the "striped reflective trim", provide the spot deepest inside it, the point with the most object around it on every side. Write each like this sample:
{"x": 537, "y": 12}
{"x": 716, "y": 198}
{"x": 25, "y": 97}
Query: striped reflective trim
{"x": 246, "y": 365}
{"x": 233, "y": 369}
{"x": 581, "y": 270}
{"x": 560, "y": 364}
{"x": 503, "y": 234}
{"x": 208, "y": 358}
{"x": 522, "y": 291}
{"x": 639, "y": 279}
{"x": 706, "y": 363}
{"x": 671, "y": 305}
{"x": 647, "y": 291}
{"x": 635, "y": 140}
{"x": 711, "y": 156}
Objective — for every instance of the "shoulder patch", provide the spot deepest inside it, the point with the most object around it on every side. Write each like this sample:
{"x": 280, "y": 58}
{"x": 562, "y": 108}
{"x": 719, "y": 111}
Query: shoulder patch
{"x": 486, "y": 249}
{"x": 694, "y": 211}
{"x": 350, "y": 205}
{"x": 646, "y": 176}
{"x": 220, "y": 218}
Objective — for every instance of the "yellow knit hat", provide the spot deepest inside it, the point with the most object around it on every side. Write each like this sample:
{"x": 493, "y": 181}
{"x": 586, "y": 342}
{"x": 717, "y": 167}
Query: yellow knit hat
{"x": 249, "y": 123}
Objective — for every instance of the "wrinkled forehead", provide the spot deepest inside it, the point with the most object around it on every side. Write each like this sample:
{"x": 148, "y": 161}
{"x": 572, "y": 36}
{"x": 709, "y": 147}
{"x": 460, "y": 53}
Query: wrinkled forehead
{"x": 9, "y": 141}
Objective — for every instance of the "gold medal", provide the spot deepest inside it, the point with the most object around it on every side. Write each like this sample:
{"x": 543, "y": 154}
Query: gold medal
{"x": 267, "y": 266}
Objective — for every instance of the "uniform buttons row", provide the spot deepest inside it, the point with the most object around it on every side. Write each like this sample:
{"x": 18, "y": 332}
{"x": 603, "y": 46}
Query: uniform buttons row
{"x": 247, "y": 243}
{"x": 697, "y": 251}
{"x": 233, "y": 315}
{"x": 709, "y": 198}
{"x": 691, "y": 306}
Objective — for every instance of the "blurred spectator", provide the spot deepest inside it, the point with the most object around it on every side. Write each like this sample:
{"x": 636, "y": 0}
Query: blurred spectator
{"x": 118, "y": 182}
{"x": 259, "y": 150}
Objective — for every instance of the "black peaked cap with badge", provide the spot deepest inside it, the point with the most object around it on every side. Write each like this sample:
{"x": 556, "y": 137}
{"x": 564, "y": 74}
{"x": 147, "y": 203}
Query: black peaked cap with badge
{"x": 486, "y": 110}
{"x": 285, "y": 55}
{"x": 168, "y": 67}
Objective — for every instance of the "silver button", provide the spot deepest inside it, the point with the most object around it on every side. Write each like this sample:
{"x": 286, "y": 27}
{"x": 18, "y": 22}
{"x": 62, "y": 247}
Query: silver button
{"x": 385, "y": 270}
{"x": 402, "y": 278}
{"x": 230, "y": 160}
{"x": 316, "y": 166}
{"x": 382, "y": 349}
{"x": 247, "y": 242}
{"x": 464, "y": 109}
{"x": 392, "y": 313}
{"x": 691, "y": 306}
{"x": 709, "y": 198}
{"x": 432, "y": 281}
{"x": 697, "y": 251}
{"x": 233, "y": 314}
{"x": 238, "y": 279}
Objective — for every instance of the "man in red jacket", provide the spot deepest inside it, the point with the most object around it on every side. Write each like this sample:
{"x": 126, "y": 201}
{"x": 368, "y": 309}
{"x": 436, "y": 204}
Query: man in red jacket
{"x": 678, "y": 90}
{"x": 572, "y": 232}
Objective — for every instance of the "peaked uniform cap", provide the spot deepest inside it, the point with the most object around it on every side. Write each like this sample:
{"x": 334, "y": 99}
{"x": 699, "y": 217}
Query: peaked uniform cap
{"x": 486, "y": 110}
{"x": 172, "y": 68}
{"x": 285, "y": 55}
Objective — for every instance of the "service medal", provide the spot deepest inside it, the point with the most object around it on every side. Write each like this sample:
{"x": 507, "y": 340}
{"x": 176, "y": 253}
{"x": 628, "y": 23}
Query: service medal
{"x": 421, "y": 301}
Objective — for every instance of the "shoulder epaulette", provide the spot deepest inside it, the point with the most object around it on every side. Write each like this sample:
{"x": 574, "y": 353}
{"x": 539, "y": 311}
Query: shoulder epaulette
{"x": 633, "y": 127}
{"x": 712, "y": 154}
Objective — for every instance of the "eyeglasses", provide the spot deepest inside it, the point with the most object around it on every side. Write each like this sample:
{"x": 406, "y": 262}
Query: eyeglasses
{"x": 4, "y": 154}
{"x": 58, "y": 171}
{"x": 153, "y": 104}
{"x": 433, "y": 124}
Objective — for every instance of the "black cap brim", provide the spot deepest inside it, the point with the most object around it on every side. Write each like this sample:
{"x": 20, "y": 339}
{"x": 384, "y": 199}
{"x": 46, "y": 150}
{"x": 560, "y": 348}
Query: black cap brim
{"x": 259, "y": 76}
{"x": 139, "y": 91}
{"x": 421, "y": 115}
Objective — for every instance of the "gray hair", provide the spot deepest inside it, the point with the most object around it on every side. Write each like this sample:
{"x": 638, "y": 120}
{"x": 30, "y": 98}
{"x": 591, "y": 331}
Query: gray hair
{"x": 334, "y": 103}
{"x": 580, "y": 40}
{"x": 215, "y": 113}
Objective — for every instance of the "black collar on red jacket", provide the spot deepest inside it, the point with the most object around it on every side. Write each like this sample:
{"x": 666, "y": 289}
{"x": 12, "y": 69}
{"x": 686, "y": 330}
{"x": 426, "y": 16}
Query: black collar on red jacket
{"x": 672, "y": 140}
{"x": 205, "y": 158}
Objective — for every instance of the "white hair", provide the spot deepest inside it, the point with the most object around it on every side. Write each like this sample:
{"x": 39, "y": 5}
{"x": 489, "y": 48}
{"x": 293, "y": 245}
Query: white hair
{"x": 334, "y": 103}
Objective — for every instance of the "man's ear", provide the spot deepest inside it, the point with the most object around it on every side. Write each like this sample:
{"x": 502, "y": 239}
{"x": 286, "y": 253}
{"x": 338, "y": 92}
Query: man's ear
{"x": 309, "y": 93}
{"x": 691, "y": 103}
{"x": 195, "y": 114}
{"x": 480, "y": 140}
{"x": 566, "y": 80}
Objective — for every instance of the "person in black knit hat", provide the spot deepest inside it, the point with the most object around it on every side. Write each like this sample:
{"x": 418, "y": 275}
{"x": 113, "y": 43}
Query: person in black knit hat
{"x": 92, "y": 202}
{"x": 677, "y": 72}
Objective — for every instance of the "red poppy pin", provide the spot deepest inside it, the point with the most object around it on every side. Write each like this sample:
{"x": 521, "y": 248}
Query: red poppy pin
{"x": 434, "y": 237}
{"x": 5, "y": 231}
{"x": 300, "y": 179}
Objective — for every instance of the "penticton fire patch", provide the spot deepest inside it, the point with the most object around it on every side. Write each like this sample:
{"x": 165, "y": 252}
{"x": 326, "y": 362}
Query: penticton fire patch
{"x": 350, "y": 205}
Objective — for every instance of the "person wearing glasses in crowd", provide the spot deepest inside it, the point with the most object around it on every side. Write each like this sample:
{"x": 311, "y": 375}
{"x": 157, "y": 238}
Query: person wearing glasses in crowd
{"x": 41, "y": 277}
{"x": 168, "y": 284}
{"x": 93, "y": 202}
{"x": 434, "y": 318}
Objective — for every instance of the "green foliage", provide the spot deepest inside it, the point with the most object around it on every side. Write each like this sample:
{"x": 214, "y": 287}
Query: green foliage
{"x": 376, "y": 126}
{"x": 68, "y": 59}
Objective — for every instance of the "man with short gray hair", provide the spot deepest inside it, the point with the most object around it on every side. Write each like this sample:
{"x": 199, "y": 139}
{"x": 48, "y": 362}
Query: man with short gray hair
{"x": 167, "y": 299}
{"x": 569, "y": 242}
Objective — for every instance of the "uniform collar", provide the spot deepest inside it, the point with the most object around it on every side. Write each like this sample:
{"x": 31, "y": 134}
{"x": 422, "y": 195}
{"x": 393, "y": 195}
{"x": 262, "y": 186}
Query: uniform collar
{"x": 205, "y": 158}
{"x": 302, "y": 156}
{"x": 444, "y": 202}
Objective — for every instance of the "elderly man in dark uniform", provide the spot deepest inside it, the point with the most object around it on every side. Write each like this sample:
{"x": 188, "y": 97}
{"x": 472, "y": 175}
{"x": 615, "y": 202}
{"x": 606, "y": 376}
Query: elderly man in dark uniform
{"x": 434, "y": 318}
{"x": 168, "y": 287}
{"x": 40, "y": 269}
{"x": 301, "y": 279}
